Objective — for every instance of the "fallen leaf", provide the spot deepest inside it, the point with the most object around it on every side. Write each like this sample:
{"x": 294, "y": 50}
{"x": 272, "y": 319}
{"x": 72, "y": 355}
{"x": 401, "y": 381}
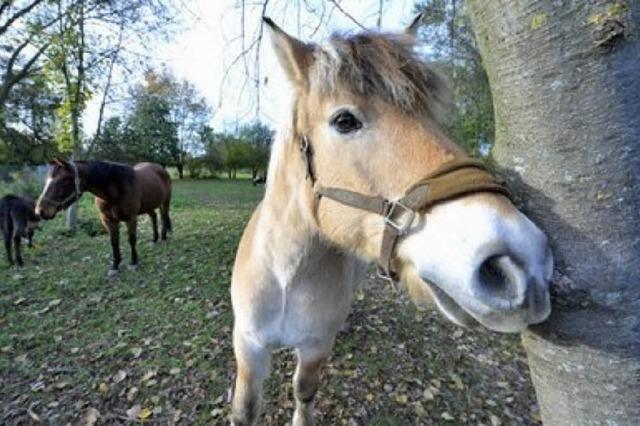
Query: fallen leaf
{"x": 19, "y": 301}
{"x": 136, "y": 352}
{"x": 37, "y": 386}
{"x": 402, "y": 399}
{"x": 133, "y": 412}
{"x": 103, "y": 388}
{"x": 495, "y": 421}
{"x": 119, "y": 376}
{"x": 174, "y": 371}
{"x": 131, "y": 393}
{"x": 420, "y": 411}
{"x": 446, "y": 416}
{"x": 61, "y": 385}
{"x": 149, "y": 375}
{"x": 457, "y": 381}
{"x": 54, "y": 302}
{"x": 32, "y": 413}
{"x": 145, "y": 413}
{"x": 91, "y": 417}
{"x": 428, "y": 395}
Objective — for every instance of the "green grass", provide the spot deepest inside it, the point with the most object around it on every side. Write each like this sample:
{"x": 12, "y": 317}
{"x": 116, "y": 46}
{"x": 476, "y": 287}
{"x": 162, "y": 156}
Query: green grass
{"x": 72, "y": 339}
{"x": 64, "y": 313}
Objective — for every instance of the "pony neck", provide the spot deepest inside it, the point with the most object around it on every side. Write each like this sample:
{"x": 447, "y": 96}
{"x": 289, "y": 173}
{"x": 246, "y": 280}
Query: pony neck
{"x": 87, "y": 183}
{"x": 289, "y": 198}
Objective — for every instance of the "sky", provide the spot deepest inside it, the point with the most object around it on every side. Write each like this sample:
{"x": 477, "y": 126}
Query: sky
{"x": 208, "y": 41}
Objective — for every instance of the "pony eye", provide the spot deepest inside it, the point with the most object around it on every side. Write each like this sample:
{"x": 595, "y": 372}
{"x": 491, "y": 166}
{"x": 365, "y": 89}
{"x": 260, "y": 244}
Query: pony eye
{"x": 345, "y": 122}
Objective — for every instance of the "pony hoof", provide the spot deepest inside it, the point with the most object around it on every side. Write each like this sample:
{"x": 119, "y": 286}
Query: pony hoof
{"x": 112, "y": 273}
{"x": 132, "y": 267}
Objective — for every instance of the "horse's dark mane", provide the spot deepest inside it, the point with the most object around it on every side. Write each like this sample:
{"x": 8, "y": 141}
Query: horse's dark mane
{"x": 104, "y": 173}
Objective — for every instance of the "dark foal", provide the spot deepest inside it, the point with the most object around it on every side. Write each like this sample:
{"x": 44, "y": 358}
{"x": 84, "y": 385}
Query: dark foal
{"x": 122, "y": 194}
{"x": 18, "y": 220}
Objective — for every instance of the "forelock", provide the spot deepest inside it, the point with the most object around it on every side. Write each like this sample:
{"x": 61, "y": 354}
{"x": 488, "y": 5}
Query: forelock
{"x": 383, "y": 65}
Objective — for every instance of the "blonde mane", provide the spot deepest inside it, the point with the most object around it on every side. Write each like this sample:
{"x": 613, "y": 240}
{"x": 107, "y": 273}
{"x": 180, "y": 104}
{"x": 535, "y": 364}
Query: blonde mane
{"x": 383, "y": 65}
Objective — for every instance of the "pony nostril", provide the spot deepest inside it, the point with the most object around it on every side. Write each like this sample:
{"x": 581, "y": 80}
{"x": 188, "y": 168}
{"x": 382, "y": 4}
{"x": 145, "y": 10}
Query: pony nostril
{"x": 498, "y": 279}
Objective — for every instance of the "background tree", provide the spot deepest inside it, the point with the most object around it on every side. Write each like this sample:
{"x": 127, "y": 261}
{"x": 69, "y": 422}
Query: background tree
{"x": 449, "y": 41}
{"x": 567, "y": 100}
{"x": 257, "y": 137}
{"x": 153, "y": 133}
{"x": 191, "y": 113}
{"x": 114, "y": 142}
{"x": 213, "y": 157}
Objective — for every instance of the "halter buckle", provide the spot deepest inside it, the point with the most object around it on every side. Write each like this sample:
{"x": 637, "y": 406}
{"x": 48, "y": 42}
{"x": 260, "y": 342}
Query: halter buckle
{"x": 394, "y": 206}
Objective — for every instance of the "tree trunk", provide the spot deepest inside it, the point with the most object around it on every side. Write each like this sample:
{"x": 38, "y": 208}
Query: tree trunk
{"x": 566, "y": 91}
{"x": 180, "y": 168}
{"x": 76, "y": 94}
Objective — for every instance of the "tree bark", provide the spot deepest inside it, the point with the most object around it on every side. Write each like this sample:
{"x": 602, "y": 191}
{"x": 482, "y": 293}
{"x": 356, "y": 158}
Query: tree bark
{"x": 76, "y": 93}
{"x": 566, "y": 91}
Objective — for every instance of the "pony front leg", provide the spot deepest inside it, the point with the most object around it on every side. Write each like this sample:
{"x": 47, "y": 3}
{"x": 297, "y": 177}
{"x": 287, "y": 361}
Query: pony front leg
{"x": 7, "y": 246}
{"x": 154, "y": 223}
{"x": 17, "y": 239}
{"x": 113, "y": 228}
{"x": 132, "y": 227}
{"x": 252, "y": 367}
{"x": 307, "y": 380}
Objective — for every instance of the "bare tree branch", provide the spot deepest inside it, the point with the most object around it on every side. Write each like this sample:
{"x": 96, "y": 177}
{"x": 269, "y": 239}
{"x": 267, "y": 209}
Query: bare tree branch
{"x": 19, "y": 14}
{"x": 347, "y": 14}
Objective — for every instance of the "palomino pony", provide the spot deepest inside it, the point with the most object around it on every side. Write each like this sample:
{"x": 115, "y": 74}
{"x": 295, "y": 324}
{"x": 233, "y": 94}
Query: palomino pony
{"x": 17, "y": 220}
{"x": 361, "y": 174}
{"x": 122, "y": 194}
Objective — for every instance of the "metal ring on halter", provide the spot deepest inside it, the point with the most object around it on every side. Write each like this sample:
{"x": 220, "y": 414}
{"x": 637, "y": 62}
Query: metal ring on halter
{"x": 388, "y": 218}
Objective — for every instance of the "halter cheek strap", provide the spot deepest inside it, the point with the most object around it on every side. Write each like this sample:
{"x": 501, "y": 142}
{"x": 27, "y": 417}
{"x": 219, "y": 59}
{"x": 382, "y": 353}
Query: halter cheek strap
{"x": 71, "y": 198}
{"x": 456, "y": 178}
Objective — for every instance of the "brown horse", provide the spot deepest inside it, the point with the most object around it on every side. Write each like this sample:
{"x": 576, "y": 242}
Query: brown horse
{"x": 362, "y": 173}
{"x": 122, "y": 194}
{"x": 17, "y": 220}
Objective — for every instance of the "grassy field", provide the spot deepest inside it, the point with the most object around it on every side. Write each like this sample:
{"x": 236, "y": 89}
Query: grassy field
{"x": 154, "y": 345}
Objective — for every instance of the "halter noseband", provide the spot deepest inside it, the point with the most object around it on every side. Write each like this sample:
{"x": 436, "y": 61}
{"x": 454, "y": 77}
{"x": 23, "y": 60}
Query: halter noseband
{"x": 453, "y": 179}
{"x": 71, "y": 198}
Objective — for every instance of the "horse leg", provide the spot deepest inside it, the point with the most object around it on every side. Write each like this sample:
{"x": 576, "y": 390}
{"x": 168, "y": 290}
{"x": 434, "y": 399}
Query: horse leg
{"x": 307, "y": 380}
{"x": 17, "y": 240}
{"x": 19, "y": 230}
{"x": 7, "y": 245}
{"x": 166, "y": 220}
{"x": 154, "y": 223}
{"x": 132, "y": 227}
{"x": 252, "y": 367}
{"x": 113, "y": 227}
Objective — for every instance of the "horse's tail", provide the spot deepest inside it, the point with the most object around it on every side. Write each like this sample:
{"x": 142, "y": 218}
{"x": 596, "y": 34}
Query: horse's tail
{"x": 166, "y": 205}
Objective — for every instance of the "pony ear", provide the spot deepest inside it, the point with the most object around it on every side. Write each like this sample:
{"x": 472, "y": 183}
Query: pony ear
{"x": 57, "y": 161}
{"x": 294, "y": 55}
{"x": 412, "y": 29}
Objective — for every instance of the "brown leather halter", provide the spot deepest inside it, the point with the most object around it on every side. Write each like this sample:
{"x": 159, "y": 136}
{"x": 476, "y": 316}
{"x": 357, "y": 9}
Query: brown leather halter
{"x": 453, "y": 179}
